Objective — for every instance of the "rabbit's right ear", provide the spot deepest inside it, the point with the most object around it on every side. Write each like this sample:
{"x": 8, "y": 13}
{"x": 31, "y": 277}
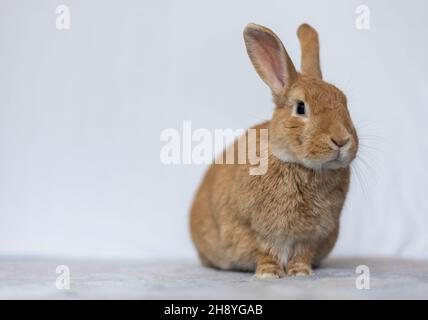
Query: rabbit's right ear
{"x": 309, "y": 43}
{"x": 269, "y": 57}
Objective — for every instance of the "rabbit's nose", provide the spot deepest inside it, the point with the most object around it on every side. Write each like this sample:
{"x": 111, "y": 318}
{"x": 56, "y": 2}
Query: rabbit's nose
{"x": 340, "y": 142}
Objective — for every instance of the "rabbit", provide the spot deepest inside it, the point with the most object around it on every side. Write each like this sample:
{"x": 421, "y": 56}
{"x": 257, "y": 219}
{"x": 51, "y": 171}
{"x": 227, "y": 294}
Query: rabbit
{"x": 286, "y": 221}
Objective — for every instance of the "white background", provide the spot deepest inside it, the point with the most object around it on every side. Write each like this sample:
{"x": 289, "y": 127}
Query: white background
{"x": 81, "y": 112}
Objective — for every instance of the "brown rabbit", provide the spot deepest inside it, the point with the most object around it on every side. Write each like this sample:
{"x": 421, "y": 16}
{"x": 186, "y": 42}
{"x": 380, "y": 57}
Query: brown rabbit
{"x": 286, "y": 220}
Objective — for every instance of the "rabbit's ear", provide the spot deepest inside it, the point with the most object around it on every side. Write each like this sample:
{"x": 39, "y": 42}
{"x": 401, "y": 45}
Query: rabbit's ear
{"x": 269, "y": 57}
{"x": 310, "y": 51}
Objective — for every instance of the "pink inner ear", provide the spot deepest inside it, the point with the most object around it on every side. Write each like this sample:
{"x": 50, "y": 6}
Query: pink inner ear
{"x": 269, "y": 58}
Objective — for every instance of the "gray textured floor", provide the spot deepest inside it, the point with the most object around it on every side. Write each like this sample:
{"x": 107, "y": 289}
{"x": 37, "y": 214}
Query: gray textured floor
{"x": 32, "y": 278}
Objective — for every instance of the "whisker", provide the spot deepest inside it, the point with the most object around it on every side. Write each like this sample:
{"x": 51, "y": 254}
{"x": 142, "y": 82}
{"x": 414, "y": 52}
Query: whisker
{"x": 368, "y": 147}
{"x": 358, "y": 177}
{"x": 370, "y": 169}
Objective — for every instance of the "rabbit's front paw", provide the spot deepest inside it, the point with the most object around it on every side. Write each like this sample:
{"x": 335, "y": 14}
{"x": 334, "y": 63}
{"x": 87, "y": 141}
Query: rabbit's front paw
{"x": 299, "y": 269}
{"x": 269, "y": 271}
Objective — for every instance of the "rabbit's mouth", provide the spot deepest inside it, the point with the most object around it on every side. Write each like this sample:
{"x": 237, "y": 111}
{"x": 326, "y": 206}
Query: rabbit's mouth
{"x": 330, "y": 164}
{"x": 336, "y": 160}
{"x": 336, "y": 156}
{"x": 339, "y": 160}
{"x": 336, "y": 164}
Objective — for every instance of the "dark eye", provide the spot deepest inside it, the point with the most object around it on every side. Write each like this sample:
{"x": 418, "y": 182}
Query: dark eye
{"x": 300, "y": 108}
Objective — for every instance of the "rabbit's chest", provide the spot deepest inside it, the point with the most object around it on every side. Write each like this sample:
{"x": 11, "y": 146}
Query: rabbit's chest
{"x": 299, "y": 210}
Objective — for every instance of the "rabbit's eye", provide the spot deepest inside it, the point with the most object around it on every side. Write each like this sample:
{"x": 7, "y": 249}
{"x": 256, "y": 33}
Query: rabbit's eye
{"x": 300, "y": 108}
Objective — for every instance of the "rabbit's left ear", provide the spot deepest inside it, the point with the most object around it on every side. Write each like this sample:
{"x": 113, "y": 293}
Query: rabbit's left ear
{"x": 269, "y": 57}
{"x": 310, "y": 51}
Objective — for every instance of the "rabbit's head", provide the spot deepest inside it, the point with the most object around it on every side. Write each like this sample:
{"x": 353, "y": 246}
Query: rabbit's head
{"x": 311, "y": 124}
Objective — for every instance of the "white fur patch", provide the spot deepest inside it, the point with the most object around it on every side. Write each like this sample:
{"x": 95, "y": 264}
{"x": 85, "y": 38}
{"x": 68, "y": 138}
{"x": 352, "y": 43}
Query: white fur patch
{"x": 286, "y": 251}
{"x": 284, "y": 156}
